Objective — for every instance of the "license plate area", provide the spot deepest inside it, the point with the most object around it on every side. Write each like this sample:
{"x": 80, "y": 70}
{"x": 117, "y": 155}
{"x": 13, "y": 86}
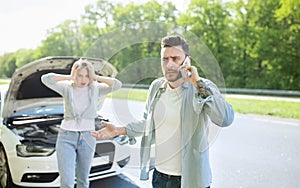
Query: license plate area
{"x": 101, "y": 160}
{"x": 104, "y": 153}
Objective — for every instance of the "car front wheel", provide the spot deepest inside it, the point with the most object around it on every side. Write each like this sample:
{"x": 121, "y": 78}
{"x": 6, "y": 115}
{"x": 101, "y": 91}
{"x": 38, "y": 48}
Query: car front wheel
{"x": 5, "y": 177}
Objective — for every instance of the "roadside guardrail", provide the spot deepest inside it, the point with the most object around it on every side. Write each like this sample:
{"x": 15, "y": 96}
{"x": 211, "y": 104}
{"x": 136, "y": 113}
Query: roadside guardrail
{"x": 283, "y": 93}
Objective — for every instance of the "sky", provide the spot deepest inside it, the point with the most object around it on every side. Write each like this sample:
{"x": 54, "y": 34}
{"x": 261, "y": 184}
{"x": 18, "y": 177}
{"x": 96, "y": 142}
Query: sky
{"x": 24, "y": 23}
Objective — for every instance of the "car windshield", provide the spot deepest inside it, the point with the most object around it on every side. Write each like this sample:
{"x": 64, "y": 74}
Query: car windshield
{"x": 46, "y": 114}
{"x": 41, "y": 111}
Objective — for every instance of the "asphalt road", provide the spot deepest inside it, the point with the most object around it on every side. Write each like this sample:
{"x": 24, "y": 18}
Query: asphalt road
{"x": 120, "y": 181}
{"x": 255, "y": 151}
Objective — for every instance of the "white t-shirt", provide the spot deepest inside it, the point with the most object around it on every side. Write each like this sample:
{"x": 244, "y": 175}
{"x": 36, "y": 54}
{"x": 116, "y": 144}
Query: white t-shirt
{"x": 80, "y": 102}
{"x": 168, "y": 146}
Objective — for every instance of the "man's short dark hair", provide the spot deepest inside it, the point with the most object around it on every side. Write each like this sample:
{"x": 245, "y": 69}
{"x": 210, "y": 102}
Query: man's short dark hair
{"x": 175, "y": 40}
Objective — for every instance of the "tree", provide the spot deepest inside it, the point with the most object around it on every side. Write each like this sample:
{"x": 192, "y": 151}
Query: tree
{"x": 265, "y": 48}
{"x": 96, "y": 22}
{"x": 63, "y": 40}
{"x": 255, "y": 42}
{"x": 8, "y": 65}
{"x": 24, "y": 56}
{"x": 289, "y": 11}
{"x": 135, "y": 37}
{"x": 288, "y": 17}
{"x": 210, "y": 21}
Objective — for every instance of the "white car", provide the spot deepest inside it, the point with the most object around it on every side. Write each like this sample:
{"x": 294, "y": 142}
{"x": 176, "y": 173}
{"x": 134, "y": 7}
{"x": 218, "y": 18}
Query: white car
{"x": 31, "y": 115}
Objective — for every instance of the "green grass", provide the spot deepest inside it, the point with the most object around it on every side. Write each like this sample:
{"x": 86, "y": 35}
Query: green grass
{"x": 130, "y": 94}
{"x": 3, "y": 82}
{"x": 285, "y": 109}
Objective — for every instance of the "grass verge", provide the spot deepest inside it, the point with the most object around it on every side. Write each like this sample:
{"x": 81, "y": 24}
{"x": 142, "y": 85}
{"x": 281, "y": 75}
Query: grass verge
{"x": 285, "y": 109}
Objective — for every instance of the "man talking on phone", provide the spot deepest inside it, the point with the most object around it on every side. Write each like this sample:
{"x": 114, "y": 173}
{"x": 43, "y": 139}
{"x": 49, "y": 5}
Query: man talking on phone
{"x": 176, "y": 119}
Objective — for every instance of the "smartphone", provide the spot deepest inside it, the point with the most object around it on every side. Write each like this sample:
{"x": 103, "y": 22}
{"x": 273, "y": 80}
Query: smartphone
{"x": 186, "y": 61}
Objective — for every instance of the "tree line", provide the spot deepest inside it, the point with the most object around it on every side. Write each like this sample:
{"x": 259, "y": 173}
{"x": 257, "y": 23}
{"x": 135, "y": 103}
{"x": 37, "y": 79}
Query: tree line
{"x": 254, "y": 42}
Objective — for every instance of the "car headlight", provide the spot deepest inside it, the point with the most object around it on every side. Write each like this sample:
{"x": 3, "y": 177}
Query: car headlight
{"x": 122, "y": 139}
{"x": 34, "y": 151}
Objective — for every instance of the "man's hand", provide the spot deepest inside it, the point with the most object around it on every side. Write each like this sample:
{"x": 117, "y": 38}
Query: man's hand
{"x": 194, "y": 76}
{"x": 109, "y": 131}
{"x": 196, "y": 80}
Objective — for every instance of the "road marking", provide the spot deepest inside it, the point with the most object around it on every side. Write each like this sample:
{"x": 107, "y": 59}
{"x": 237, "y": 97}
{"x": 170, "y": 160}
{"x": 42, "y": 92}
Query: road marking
{"x": 277, "y": 121}
{"x": 269, "y": 120}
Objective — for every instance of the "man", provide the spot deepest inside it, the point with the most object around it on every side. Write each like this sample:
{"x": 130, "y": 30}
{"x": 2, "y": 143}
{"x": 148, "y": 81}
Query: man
{"x": 176, "y": 116}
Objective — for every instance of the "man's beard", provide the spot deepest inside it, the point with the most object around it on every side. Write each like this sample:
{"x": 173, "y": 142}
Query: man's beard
{"x": 174, "y": 79}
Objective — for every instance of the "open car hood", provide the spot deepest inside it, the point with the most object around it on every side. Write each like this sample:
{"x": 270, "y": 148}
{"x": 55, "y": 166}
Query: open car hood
{"x": 27, "y": 91}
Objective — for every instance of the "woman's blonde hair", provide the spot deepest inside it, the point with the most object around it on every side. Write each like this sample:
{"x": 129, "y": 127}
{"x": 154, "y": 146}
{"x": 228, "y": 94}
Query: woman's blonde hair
{"x": 82, "y": 64}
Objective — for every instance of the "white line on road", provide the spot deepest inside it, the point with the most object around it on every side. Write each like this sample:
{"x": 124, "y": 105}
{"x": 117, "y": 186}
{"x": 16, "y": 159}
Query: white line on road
{"x": 272, "y": 119}
{"x": 277, "y": 121}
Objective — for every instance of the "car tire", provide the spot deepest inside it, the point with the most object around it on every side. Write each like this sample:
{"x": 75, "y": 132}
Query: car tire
{"x": 5, "y": 176}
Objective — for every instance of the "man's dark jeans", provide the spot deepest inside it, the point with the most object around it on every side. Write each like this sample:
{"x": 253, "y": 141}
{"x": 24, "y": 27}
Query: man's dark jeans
{"x": 161, "y": 180}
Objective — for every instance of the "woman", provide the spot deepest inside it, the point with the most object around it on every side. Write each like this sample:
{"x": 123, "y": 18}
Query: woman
{"x": 81, "y": 92}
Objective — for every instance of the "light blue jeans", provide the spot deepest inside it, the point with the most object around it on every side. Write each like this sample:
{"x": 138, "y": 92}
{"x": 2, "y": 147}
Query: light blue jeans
{"x": 75, "y": 151}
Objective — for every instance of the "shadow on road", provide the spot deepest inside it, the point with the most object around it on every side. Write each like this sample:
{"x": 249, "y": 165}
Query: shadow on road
{"x": 111, "y": 182}
{"x": 114, "y": 182}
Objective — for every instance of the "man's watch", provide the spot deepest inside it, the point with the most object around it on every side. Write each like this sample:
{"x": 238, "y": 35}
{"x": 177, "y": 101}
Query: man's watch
{"x": 204, "y": 91}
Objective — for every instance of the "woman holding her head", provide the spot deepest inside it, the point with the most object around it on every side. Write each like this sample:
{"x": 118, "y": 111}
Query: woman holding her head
{"x": 75, "y": 146}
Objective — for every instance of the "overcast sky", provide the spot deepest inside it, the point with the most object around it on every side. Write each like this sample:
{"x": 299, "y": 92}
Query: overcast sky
{"x": 24, "y": 23}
